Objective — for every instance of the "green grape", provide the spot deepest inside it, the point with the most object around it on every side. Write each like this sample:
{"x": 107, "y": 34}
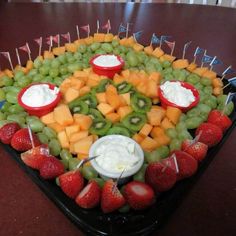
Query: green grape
{"x": 2, "y": 116}
{"x": 58, "y": 81}
{"x": 47, "y": 79}
{"x": 73, "y": 67}
{"x": 44, "y": 70}
{"x": 51, "y": 134}
{"x": 37, "y": 78}
{"x": 107, "y": 47}
{"x": 204, "y": 108}
{"x": 193, "y": 112}
{"x": 2, "y": 94}
{"x": 15, "y": 109}
{"x": 183, "y": 117}
{"x": 54, "y": 147}
{"x": 180, "y": 126}
{"x": 82, "y": 48}
{"x": 18, "y": 75}
{"x": 57, "y": 181}
{"x": 65, "y": 164}
{"x": 228, "y": 109}
{"x": 63, "y": 69}
{"x": 65, "y": 155}
{"x": 3, "y": 122}
{"x": 54, "y": 72}
{"x": 62, "y": 58}
{"x": 78, "y": 56}
{"x": 193, "y": 79}
{"x": 208, "y": 90}
{"x": 115, "y": 43}
{"x": 132, "y": 59}
{"x": 184, "y": 135}
{"x": 169, "y": 77}
{"x": 205, "y": 81}
{"x": 16, "y": 118}
{"x": 11, "y": 97}
{"x": 140, "y": 175}
{"x": 6, "y": 106}
{"x": 37, "y": 62}
{"x": 32, "y": 73}
{"x": 198, "y": 86}
{"x": 166, "y": 64}
{"x": 211, "y": 102}
{"x": 89, "y": 172}
{"x": 47, "y": 62}
{"x": 171, "y": 132}
{"x": 193, "y": 122}
{"x": 221, "y": 99}
{"x": 116, "y": 51}
{"x": 43, "y": 138}
{"x": 55, "y": 63}
{"x": 175, "y": 144}
{"x": 24, "y": 81}
{"x": 6, "y": 81}
{"x": 36, "y": 125}
{"x": 73, "y": 163}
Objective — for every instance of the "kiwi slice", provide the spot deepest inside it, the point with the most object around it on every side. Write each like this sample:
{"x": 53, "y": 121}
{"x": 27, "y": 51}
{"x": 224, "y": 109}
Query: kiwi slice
{"x": 119, "y": 130}
{"x": 95, "y": 114}
{"x": 140, "y": 103}
{"x": 134, "y": 121}
{"x": 102, "y": 85}
{"x": 123, "y": 87}
{"x": 100, "y": 127}
{"x": 90, "y": 100}
{"x": 81, "y": 108}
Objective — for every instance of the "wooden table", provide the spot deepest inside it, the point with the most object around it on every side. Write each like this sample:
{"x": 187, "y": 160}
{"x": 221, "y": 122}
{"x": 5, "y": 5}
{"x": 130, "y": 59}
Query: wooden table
{"x": 210, "y": 207}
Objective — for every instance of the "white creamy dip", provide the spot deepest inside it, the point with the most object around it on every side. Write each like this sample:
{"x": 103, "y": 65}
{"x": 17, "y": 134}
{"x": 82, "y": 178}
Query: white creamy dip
{"x": 39, "y": 95}
{"x": 107, "y": 61}
{"x": 177, "y": 94}
{"x": 116, "y": 156}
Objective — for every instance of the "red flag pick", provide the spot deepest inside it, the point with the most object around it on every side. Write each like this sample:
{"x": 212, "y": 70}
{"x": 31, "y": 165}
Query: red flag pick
{"x": 7, "y": 55}
{"x": 66, "y": 36}
{"x": 26, "y": 48}
{"x": 86, "y": 28}
{"x": 39, "y": 41}
{"x": 171, "y": 45}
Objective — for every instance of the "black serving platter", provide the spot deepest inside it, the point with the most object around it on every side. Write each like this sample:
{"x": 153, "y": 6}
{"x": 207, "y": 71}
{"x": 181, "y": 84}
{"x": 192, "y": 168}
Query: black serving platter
{"x": 94, "y": 222}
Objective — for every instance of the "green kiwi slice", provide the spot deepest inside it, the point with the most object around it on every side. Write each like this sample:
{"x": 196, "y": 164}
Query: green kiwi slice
{"x": 140, "y": 103}
{"x": 102, "y": 85}
{"x": 119, "y": 130}
{"x": 100, "y": 127}
{"x": 90, "y": 100}
{"x": 123, "y": 87}
{"x": 95, "y": 114}
{"x": 81, "y": 108}
{"x": 134, "y": 121}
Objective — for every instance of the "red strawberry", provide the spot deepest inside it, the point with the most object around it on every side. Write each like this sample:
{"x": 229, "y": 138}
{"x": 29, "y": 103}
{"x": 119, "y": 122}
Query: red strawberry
{"x": 89, "y": 197}
{"x": 51, "y": 168}
{"x": 21, "y": 140}
{"x": 7, "y": 131}
{"x": 111, "y": 198}
{"x": 159, "y": 176}
{"x": 139, "y": 195}
{"x": 35, "y": 156}
{"x": 71, "y": 183}
{"x": 217, "y": 118}
{"x": 186, "y": 163}
{"x": 197, "y": 150}
{"x": 210, "y": 134}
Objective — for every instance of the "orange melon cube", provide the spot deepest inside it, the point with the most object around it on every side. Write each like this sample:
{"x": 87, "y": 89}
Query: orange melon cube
{"x": 217, "y": 91}
{"x": 74, "y": 137}
{"x": 117, "y": 79}
{"x": 71, "y": 129}
{"x": 138, "y": 138}
{"x": 138, "y": 47}
{"x": 124, "y": 111}
{"x": 155, "y": 117}
{"x": 99, "y": 37}
{"x": 155, "y": 76}
{"x": 200, "y": 70}
{"x": 142, "y": 87}
{"x": 148, "y": 50}
{"x": 125, "y": 73}
{"x": 83, "y": 145}
{"x": 83, "y": 121}
{"x": 191, "y": 67}
{"x": 79, "y": 42}
{"x": 88, "y": 40}
{"x": 180, "y": 64}
{"x": 166, "y": 123}
{"x": 108, "y": 37}
{"x": 84, "y": 90}
{"x": 82, "y": 156}
{"x": 217, "y": 82}
{"x": 148, "y": 144}
{"x": 105, "y": 108}
{"x": 48, "y": 118}
{"x": 209, "y": 74}
{"x": 162, "y": 140}
{"x": 156, "y": 100}
{"x": 111, "y": 89}
{"x": 76, "y": 83}
{"x": 58, "y": 51}
{"x": 157, "y": 131}
{"x": 151, "y": 89}
{"x": 113, "y": 117}
{"x": 57, "y": 127}
{"x": 126, "y": 97}
{"x": 71, "y": 47}
{"x": 95, "y": 137}
{"x": 158, "y": 52}
{"x": 101, "y": 97}
{"x": 92, "y": 82}
{"x": 62, "y": 115}
{"x": 167, "y": 57}
{"x": 113, "y": 99}
{"x": 80, "y": 74}
{"x": 71, "y": 94}
{"x": 173, "y": 114}
{"x": 63, "y": 139}
{"x": 146, "y": 129}
{"x": 48, "y": 55}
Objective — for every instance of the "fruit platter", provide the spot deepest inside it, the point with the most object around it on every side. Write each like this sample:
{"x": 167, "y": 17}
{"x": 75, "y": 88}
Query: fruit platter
{"x": 76, "y": 116}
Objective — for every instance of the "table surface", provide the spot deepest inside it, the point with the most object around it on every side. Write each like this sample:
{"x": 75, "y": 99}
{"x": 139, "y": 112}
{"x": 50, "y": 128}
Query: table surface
{"x": 210, "y": 207}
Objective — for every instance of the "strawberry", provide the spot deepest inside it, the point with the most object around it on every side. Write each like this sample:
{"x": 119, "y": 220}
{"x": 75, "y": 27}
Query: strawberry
{"x": 51, "y": 168}
{"x": 139, "y": 195}
{"x": 111, "y": 198}
{"x": 210, "y": 134}
{"x": 35, "y": 156}
{"x": 160, "y": 177}
{"x": 217, "y": 118}
{"x": 197, "y": 150}
{"x": 21, "y": 140}
{"x": 89, "y": 197}
{"x": 7, "y": 131}
{"x": 187, "y": 165}
{"x": 71, "y": 183}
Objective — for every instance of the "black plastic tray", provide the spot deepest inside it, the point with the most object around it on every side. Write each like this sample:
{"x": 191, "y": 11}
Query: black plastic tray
{"x": 94, "y": 222}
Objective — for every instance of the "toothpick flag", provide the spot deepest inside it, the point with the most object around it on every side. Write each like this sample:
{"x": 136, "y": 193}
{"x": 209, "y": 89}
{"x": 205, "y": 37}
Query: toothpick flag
{"x": 107, "y": 26}
{"x": 8, "y": 56}
{"x": 137, "y": 35}
{"x": 127, "y": 30}
{"x": 39, "y": 41}
{"x": 18, "y": 57}
{"x": 97, "y": 26}
{"x": 122, "y": 29}
{"x": 228, "y": 70}
{"x": 186, "y": 45}
{"x": 232, "y": 81}
{"x": 198, "y": 51}
{"x": 214, "y": 62}
{"x": 26, "y": 48}
{"x": 77, "y": 31}
{"x": 171, "y": 45}
{"x": 163, "y": 38}
{"x": 154, "y": 39}
{"x": 86, "y": 28}
{"x": 66, "y": 36}
{"x": 49, "y": 42}
{"x": 56, "y": 39}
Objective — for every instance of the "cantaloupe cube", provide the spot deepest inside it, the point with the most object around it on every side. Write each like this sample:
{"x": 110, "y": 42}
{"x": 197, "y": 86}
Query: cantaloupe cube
{"x": 200, "y": 70}
{"x": 173, "y": 114}
{"x": 101, "y": 97}
{"x": 209, "y": 74}
{"x": 83, "y": 145}
{"x": 113, "y": 99}
{"x": 124, "y": 41}
{"x": 131, "y": 41}
{"x": 157, "y": 131}
{"x": 167, "y": 57}
{"x": 117, "y": 79}
{"x": 155, "y": 76}
{"x": 62, "y": 115}
{"x": 166, "y": 123}
{"x": 71, "y": 47}
{"x": 113, "y": 117}
{"x": 108, "y": 37}
{"x": 191, "y": 67}
{"x": 88, "y": 40}
{"x": 126, "y": 97}
{"x": 83, "y": 121}
{"x": 72, "y": 129}
{"x": 82, "y": 156}
{"x": 124, "y": 111}
{"x": 217, "y": 91}
{"x": 84, "y": 90}
{"x": 151, "y": 89}
{"x": 138, "y": 47}
{"x": 158, "y": 52}
{"x": 105, "y": 108}
{"x": 58, "y": 51}
{"x": 76, "y": 83}
{"x": 48, "y": 118}
{"x": 156, "y": 100}
{"x": 125, "y": 73}
{"x": 111, "y": 89}
{"x": 57, "y": 127}
{"x": 92, "y": 82}
{"x": 48, "y": 55}
{"x": 95, "y": 137}
{"x": 99, "y": 37}
{"x": 78, "y": 135}
{"x": 148, "y": 50}
{"x": 63, "y": 139}
{"x": 79, "y": 42}
{"x": 217, "y": 82}
{"x": 162, "y": 140}
{"x": 29, "y": 65}
{"x": 148, "y": 144}
{"x": 80, "y": 74}
{"x": 155, "y": 117}
{"x": 180, "y": 64}
{"x": 146, "y": 129}
{"x": 142, "y": 87}
{"x": 71, "y": 94}
{"x": 138, "y": 138}
{"x": 71, "y": 148}
{"x": 156, "y": 107}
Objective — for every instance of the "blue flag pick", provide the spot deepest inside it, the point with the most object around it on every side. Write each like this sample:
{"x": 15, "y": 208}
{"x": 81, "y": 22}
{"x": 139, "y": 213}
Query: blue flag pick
{"x": 215, "y": 61}
{"x": 198, "y": 51}
{"x": 155, "y": 39}
{"x": 232, "y": 81}
{"x": 228, "y": 70}
{"x": 137, "y": 35}
{"x": 206, "y": 59}
{"x": 122, "y": 29}
{"x": 164, "y": 37}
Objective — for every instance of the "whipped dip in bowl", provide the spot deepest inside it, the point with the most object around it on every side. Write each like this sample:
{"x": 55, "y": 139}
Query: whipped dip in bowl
{"x": 178, "y": 94}
{"x": 116, "y": 154}
{"x": 39, "y": 98}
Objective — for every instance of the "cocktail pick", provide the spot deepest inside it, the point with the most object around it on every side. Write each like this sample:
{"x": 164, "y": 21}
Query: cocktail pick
{"x": 117, "y": 180}
{"x": 77, "y": 31}
{"x": 137, "y": 35}
{"x": 26, "y": 48}
{"x": 18, "y": 57}
{"x": 98, "y": 26}
{"x": 127, "y": 30}
{"x": 194, "y": 141}
{"x": 107, "y": 26}
{"x": 86, "y": 28}
{"x": 85, "y": 160}
{"x": 154, "y": 39}
{"x": 39, "y": 41}
{"x": 227, "y": 71}
{"x": 122, "y": 29}
{"x": 31, "y": 136}
{"x": 214, "y": 62}
{"x": 228, "y": 99}
{"x": 186, "y": 45}
{"x": 172, "y": 163}
{"x": 8, "y": 56}
{"x": 67, "y": 37}
{"x": 198, "y": 51}
{"x": 171, "y": 45}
